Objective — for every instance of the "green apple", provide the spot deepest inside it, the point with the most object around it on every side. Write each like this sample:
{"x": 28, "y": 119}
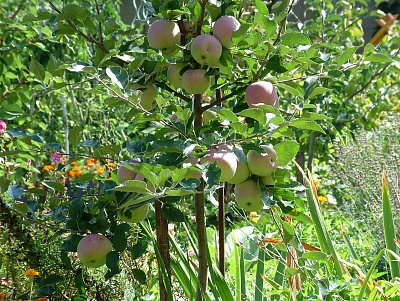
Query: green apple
{"x": 248, "y": 196}
{"x": 208, "y": 115}
{"x": 262, "y": 92}
{"x": 195, "y": 81}
{"x": 136, "y": 215}
{"x": 173, "y": 74}
{"x": 223, "y": 29}
{"x": 241, "y": 174}
{"x": 93, "y": 249}
{"x": 206, "y": 50}
{"x": 165, "y": 36}
{"x": 263, "y": 164}
{"x": 268, "y": 180}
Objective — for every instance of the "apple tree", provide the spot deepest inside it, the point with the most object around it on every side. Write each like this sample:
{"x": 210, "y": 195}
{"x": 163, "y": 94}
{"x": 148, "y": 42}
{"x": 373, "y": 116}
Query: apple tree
{"x": 198, "y": 100}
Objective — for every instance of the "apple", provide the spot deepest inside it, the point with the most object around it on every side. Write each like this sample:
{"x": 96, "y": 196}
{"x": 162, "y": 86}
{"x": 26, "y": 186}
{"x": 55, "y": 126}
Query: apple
{"x": 223, "y": 29}
{"x": 268, "y": 180}
{"x": 136, "y": 215}
{"x": 262, "y": 92}
{"x": 241, "y": 174}
{"x": 264, "y": 164}
{"x": 165, "y": 36}
{"x": 227, "y": 162}
{"x": 173, "y": 74}
{"x": 248, "y": 197}
{"x": 206, "y": 50}
{"x": 208, "y": 115}
{"x": 195, "y": 81}
{"x": 125, "y": 174}
{"x": 93, "y": 249}
{"x": 148, "y": 97}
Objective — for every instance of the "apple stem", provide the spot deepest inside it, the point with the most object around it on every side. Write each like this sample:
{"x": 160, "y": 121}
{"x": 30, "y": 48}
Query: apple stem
{"x": 163, "y": 247}
{"x": 221, "y": 229}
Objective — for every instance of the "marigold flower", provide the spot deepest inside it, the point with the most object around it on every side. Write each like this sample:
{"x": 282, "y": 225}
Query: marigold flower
{"x": 322, "y": 198}
{"x": 31, "y": 273}
{"x": 48, "y": 168}
{"x": 111, "y": 165}
{"x": 100, "y": 169}
{"x": 70, "y": 173}
{"x": 74, "y": 163}
{"x": 317, "y": 183}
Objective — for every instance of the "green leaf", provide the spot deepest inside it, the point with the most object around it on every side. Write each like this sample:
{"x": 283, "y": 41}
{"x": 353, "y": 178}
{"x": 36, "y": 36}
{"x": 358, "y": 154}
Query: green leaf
{"x": 50, "y": 280}
{"x": 268, "y": 25}
{"x": 139, "y": 275}
{"x": 54, "y": 185}
{"x": 37, "y": 69}
{"x": 75, "y": 135}
{"x": 295, "y": 39}
{"x": 315, "y": 255}
{"x": 346, "y": 55}
{"x": 138, "y": 249}
{"x": 112, "y": 262}
{"x": 133, "y": 186}
{"x": 379, "y": 58}
{"x": 118, "y": 76}
{"x": 172, "y": 213}
{"x": 318, "y": 91}
{"x": 307, "y": 125}
{"x": 261, "y": 7}
{"x": 15, "y": 192}
{"x": 256, "y": 114}
{"x": 286, "y": 151}
{"x": 4, "y": 183}
{"x": 85, "y": 178}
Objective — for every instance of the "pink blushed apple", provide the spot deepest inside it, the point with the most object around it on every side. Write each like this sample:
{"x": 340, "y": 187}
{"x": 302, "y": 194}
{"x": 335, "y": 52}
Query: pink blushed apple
{"x": 262, "y": 92}
{"x": 93, "y": 249}
{"x": 165, "y": 36}
{"x": 206, "y": 50}
{"x": 248, "y": 196}
{"x": 223, "y": 29}
{"x": 195, "y": 81}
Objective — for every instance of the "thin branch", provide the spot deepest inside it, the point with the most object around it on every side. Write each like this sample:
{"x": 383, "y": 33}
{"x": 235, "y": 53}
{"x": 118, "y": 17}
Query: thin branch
{"x": 87, "y": 37}
{"x": 377, "y": 74}
{"x": 100, "y": 27}
{"x": 281, "y": 26}
{"x": 176, "y": 93}
{"x": 222, "y": 99}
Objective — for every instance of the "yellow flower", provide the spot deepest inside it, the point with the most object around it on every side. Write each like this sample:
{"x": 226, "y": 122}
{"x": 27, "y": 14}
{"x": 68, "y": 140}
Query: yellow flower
{"x": 31, "y": 273}
{"x": 317, "y": 183}
{"x": 254, "y": 219}
{"x": 253, "y": 214}
{"x": 322, "y": 199}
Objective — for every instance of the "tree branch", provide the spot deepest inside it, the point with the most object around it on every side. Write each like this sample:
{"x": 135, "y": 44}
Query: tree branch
{"x": 176, "y": 93}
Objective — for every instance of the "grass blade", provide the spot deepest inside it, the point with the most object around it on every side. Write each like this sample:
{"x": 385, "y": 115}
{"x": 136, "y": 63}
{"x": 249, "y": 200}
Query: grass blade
{"x": 369, "y": 274}
{"x": 258, "y": 290}
{"x": 388, "y": 227}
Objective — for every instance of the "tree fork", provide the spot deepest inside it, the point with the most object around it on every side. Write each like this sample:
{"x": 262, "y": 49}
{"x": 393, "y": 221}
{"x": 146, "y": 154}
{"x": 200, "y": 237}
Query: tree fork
{"x": 163, "y": 247}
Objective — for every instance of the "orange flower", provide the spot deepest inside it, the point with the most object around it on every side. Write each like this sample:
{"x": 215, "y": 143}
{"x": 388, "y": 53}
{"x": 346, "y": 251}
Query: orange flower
{"x": 70, "y": 173}
{"x": 53, "y": 164}
{"x": 41, "y": 299}
{"x": 111, "y": 165}
{"x": 48, "y": 168}
{"x": 31, "y": 273}
{"x": 2, "y": 297}
{"x": 74, "y": 163}
{"x": 78, "y": 174}
{"x": 100, "y": 169}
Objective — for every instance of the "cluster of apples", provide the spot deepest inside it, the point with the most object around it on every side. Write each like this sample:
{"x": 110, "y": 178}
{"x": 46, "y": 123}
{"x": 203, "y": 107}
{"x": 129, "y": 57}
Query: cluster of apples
{"x": 206, "y": 50}
{"x": 93, "y": 249}
{"x": 247, "y": 188}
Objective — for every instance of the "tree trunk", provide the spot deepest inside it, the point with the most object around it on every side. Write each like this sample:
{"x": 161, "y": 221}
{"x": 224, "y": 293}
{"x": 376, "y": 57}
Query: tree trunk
{"x": 163, "y": 247}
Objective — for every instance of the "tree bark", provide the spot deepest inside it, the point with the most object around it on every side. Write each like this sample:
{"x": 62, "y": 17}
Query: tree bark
{"x": 300, "y": 160}
{"x": 163, "y": 247}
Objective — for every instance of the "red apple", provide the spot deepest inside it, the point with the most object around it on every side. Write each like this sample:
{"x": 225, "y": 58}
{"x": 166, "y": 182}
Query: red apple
{"x": 165, "y": 36}
{"x": 206, "y": 50}
{"x": 195, "y": 81}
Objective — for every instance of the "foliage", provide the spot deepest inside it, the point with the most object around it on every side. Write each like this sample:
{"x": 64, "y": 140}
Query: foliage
{"x": 72, "y": 76}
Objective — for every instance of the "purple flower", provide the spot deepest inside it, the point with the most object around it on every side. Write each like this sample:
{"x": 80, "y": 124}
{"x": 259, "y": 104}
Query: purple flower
{"x": 3, "y": 126}
{"x": 56, "y": 157}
